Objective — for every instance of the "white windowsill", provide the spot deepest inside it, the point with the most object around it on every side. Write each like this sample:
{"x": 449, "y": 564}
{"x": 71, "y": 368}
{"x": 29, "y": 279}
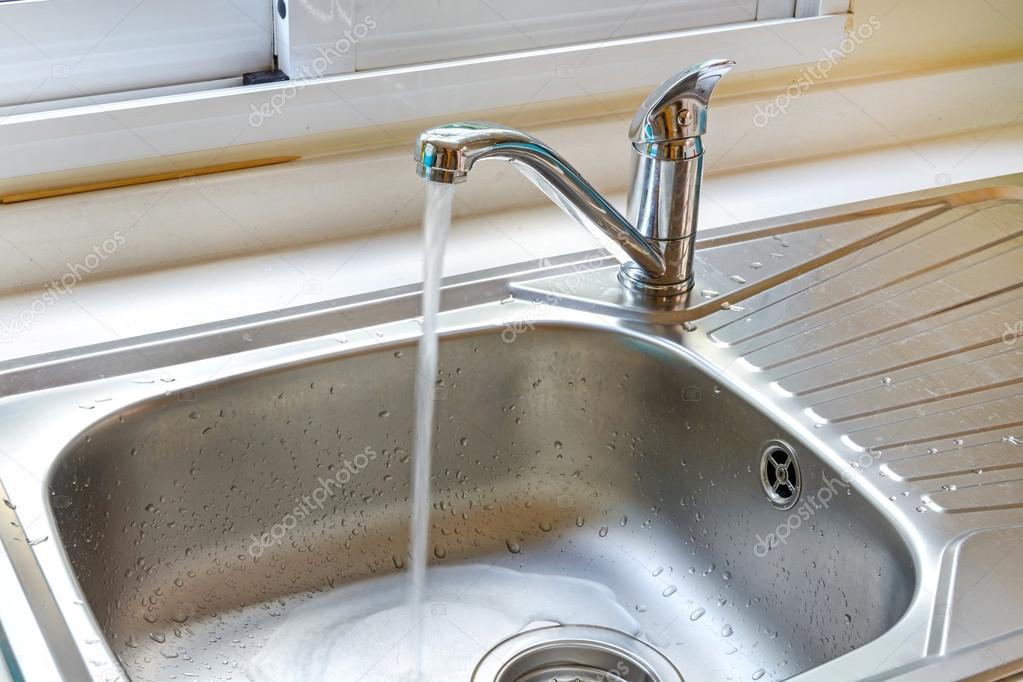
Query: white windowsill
{"x": 131, "y": 305}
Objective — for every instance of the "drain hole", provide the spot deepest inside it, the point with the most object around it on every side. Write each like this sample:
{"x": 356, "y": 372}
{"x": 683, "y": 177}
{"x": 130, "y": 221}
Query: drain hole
{"x": 580, "y": 653}
{"x": 779, "y": 474}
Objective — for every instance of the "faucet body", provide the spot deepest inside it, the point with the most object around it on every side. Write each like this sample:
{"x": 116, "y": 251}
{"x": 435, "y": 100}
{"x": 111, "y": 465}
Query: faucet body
{"x": 658, "y": 235}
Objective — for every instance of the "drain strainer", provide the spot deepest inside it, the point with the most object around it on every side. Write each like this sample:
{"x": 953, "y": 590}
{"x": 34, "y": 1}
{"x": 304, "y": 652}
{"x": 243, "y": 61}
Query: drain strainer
{"x": 779, "y": 474}
{"x": 574, "y": 653}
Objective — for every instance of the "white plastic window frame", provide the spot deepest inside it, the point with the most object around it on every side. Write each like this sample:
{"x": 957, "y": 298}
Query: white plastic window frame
{"x": 173, "y": 123}
{"x": 317, "y": 38}
{"x": 56, "y": 53}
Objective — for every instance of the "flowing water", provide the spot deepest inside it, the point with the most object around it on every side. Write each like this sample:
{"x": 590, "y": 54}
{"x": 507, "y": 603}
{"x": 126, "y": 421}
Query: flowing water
{"x": 436, "y": 221}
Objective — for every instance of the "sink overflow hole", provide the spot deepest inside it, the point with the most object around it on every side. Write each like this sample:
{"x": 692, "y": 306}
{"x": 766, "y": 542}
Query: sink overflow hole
{"x": 779, "y": 474}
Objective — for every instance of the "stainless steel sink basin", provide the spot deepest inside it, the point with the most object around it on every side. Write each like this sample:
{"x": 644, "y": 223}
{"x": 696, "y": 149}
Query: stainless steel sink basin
{"x": 809, "y": 474}
{"x": 570, "y": 452}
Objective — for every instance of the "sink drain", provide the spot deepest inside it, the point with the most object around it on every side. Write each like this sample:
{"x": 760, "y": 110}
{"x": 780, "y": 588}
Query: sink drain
{"x": 574, "y": 653}
{"x": 779, "y": 474}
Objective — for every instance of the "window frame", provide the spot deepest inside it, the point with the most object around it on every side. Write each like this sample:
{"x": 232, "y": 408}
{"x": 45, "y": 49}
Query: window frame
{"x": 58, "y": 51}
{"x": 169, "y": 125}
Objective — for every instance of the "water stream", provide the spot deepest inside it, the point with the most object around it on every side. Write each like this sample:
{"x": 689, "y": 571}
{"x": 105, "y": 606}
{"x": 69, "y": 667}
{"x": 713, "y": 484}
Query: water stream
{"x": 436, "y": 221}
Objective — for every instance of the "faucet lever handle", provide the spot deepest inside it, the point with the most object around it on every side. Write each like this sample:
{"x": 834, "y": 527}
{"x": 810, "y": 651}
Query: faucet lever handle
{"x": 677, "y": 108}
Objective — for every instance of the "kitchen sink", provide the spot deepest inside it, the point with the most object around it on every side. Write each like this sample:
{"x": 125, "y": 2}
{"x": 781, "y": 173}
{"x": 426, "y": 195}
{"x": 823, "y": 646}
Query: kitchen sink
{"x": 572, "y": 453}
{"x": 810, "y": 473}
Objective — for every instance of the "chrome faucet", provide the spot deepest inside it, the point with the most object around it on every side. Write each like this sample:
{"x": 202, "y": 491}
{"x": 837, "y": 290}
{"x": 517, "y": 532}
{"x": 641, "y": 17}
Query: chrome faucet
{"x": 659, "y": 234}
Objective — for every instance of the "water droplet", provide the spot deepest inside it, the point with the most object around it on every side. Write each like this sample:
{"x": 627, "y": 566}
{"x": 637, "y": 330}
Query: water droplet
{"x": 640, "y": 608}
{"x": 669, "y": 590}
{"x": 689, "y": 326}
{"x": 546, "y": 526}
{"x": 513, "y": 547}
{"x": 602, "y": 532}
{"x": 384, "y": 413}
{"x": 158, "y": 637}
{"x": 756, "y": 265}
{"x": 439, "y": 551}
{"x": 758, "y": 674}
{"x": 886, "y": 381}
{"x": 697, "y": 614}
{"x": 657, "y": 571}
{"x": 738, "y": 279}
{"x": 726, "y": 630}
{"x": 709, "y": 293}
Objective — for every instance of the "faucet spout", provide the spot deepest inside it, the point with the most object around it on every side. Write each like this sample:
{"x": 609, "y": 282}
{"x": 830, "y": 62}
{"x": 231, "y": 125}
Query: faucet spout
{"x": 657, "y": 239}
{"x": 447, "y": 153}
